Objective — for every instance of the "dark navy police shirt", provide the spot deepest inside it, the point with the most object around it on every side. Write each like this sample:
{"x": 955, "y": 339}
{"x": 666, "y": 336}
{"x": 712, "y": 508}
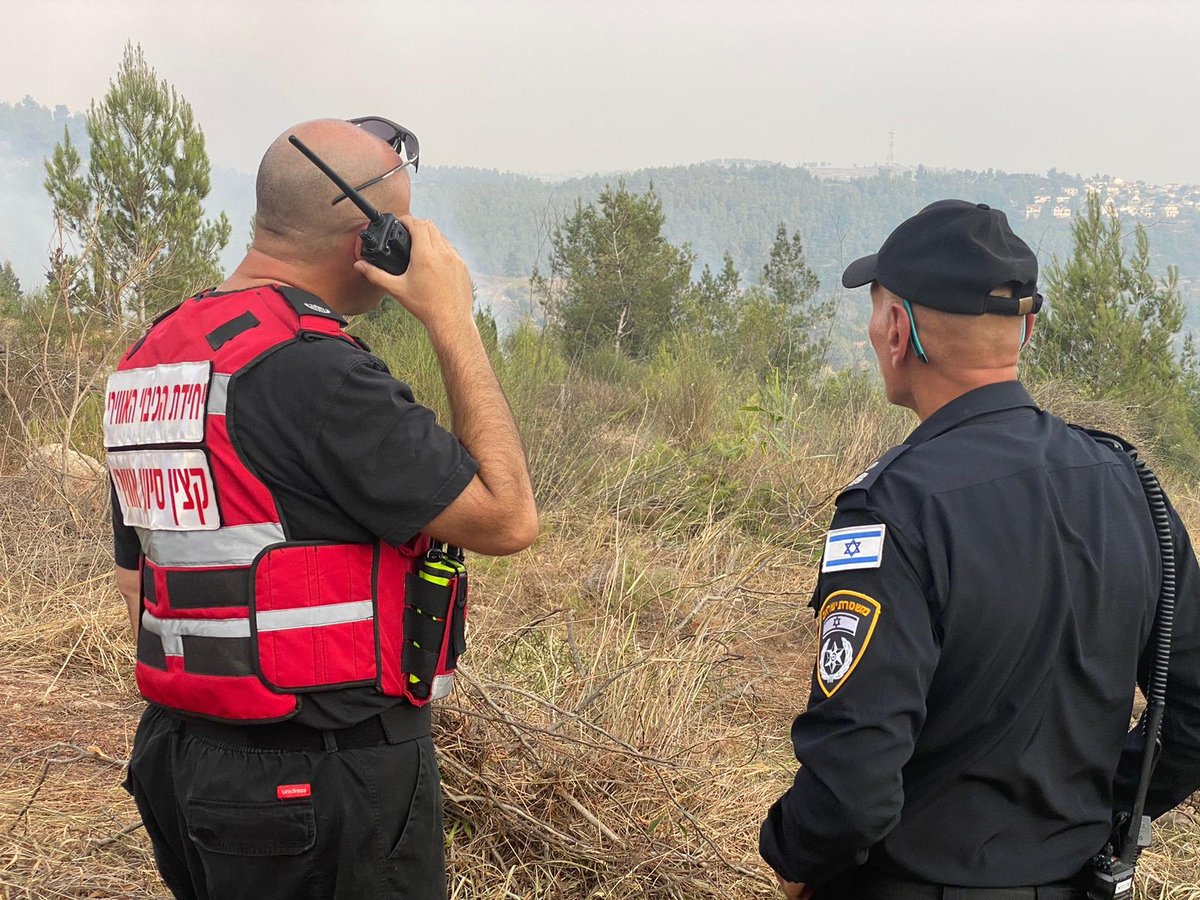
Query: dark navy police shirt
{"x": 987, "y": 594}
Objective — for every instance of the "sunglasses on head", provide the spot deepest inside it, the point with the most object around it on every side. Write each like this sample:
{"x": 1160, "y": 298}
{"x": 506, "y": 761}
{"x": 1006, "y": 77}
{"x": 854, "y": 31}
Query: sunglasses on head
{"x": 399, "y": 138}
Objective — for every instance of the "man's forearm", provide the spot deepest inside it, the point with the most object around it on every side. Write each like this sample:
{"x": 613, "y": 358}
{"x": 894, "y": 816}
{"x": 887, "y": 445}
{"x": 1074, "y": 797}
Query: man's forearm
{"x": 495, "y": 513}
{"x": 811, "y": 836}
{"x": 482, "y": 418}
{"x": 133, "y": 607}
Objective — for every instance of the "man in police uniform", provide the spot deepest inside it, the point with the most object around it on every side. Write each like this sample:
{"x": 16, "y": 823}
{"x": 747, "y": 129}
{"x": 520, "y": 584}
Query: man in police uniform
{"x": 986, "y": 597}
{"x": 342, "y": 799}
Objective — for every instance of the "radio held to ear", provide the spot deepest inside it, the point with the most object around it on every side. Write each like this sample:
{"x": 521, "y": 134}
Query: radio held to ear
{"x": 385, "y": 242}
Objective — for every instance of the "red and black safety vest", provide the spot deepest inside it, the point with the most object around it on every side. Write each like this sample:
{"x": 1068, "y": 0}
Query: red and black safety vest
{"x": 237, "y": 619}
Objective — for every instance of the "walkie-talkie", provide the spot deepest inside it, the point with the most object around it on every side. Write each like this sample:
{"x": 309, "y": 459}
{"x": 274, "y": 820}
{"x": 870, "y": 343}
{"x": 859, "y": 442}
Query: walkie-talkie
{"x": 385, "y": 242}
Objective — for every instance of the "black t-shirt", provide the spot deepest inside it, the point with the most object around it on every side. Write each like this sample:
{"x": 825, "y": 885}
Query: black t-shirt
{"x": 348, "y": 455}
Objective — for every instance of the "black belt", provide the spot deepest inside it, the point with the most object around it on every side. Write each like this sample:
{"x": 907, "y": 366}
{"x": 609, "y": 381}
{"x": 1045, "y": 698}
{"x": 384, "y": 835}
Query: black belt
{"x": 881, "y": 887}
{"x": 401, "y": 723}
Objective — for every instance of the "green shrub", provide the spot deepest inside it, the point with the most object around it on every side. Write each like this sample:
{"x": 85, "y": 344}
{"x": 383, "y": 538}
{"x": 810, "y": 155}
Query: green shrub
{"x": 691, "y": 394}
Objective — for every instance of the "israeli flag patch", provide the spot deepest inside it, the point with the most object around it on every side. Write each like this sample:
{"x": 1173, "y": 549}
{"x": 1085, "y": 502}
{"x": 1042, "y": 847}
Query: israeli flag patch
{"x": 860, "y": 547}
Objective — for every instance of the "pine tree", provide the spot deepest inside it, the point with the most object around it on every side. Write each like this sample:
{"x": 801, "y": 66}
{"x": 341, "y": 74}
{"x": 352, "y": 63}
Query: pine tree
{"x": 10, "y": 284}
{"x": 710, "y": 310}
{"x": 623, "y": 282}
{"x": 135, "y": 213}
{"x": 1112, "y": 328}
{"x": 802, "y": 321}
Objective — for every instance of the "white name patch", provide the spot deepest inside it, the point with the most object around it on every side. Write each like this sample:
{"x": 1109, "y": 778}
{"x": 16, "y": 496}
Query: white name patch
{"x": 159, "y": 405}
{"x": 860, "y": 547}
{"x": 165, "y": 490}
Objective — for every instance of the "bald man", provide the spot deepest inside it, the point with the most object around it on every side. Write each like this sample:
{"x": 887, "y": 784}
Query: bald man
{"x": 284, "y": 518}
{"x": 984, "y": 608}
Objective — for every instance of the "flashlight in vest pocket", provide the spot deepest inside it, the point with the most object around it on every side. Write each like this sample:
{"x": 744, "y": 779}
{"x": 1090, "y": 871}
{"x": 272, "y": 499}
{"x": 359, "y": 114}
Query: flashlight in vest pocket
{"x": 458, "y": 621}
{"x": 430, "y": 619}
{"x": 436, "y": 568}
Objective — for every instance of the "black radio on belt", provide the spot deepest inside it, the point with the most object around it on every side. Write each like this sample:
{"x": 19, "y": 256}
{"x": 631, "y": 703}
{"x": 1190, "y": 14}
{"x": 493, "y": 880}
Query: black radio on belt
{"x": 1111, "y": 872}
{"x": 385, "y": 242}
{"x": 1110, "y": 878}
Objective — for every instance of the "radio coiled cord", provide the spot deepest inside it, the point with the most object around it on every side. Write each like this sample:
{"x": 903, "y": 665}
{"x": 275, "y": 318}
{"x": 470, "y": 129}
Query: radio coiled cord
{"x": 1164, "y": 622}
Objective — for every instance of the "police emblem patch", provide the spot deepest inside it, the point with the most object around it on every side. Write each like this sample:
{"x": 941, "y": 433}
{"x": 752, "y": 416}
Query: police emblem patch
{"x": 847, "y": 620}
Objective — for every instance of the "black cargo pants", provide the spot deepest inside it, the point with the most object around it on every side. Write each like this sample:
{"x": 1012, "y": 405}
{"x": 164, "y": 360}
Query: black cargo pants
{"x": 231, "y": 819}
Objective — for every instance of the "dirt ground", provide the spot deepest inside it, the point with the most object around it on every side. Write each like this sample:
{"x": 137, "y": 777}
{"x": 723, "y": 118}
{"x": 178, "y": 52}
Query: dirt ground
{"x": 67, "y": 828}
{"x": 619, "y": 729}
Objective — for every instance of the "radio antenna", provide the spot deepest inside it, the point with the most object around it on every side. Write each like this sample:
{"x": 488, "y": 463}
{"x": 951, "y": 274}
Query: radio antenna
{"x": 355, "y": 197}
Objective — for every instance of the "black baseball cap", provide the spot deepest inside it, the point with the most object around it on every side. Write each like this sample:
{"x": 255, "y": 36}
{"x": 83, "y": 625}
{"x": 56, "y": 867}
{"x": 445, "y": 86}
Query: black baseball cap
{"x": 951, "y": 256}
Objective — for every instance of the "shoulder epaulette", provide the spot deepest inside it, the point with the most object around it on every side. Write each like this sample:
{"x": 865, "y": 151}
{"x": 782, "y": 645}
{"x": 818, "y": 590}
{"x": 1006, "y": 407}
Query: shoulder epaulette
{"x": 857, "y": 489}
{"x": 1112, "y": 441}
{"x": 307, "y": 304}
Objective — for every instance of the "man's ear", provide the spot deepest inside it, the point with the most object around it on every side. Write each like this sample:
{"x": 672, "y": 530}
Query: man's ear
{"x": 899, "y": 334}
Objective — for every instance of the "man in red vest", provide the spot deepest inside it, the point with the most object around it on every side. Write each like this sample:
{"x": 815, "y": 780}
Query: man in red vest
{"x": 280, "y": 506}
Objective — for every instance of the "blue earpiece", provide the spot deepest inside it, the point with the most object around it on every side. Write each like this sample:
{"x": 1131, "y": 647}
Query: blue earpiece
{"x": 916, "y": 341}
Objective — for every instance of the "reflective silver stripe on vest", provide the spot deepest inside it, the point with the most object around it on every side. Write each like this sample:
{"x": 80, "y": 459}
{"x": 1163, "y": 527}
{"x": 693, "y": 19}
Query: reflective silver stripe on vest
{"x": 172, "y": 631}
{"x": 233, "y": 545}
{"x": 315, "y": 616}
{"x": 441, "y": 686}
{"x": 218, "y": 395}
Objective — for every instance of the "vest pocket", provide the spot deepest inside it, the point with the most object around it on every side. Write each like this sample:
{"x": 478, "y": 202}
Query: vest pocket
{"x": 150, "y": 649}
{"x": 427, "y": 596}
{"x": 458, "y": 623}
{"x": 313, "y": 615}
{"x": 278, "y": 828}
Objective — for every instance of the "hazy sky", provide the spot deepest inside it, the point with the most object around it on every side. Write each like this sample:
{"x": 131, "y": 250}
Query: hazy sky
{"x": 558, "y": 86}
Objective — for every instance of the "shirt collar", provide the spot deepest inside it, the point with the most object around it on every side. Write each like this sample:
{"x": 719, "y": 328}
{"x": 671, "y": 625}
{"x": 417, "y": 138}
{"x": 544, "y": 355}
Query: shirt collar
{"x": 982, "y": 400}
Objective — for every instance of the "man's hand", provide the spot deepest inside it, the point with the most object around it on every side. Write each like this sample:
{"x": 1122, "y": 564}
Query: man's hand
{"x": 794, "y": 890}
{"x": 436, "y": 287}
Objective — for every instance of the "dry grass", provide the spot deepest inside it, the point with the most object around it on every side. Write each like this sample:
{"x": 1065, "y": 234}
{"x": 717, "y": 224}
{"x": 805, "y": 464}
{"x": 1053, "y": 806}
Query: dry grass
{"x": 621, "y": 724}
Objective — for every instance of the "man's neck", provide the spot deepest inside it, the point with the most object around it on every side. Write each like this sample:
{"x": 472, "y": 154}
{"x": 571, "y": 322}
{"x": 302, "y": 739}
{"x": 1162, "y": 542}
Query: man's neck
{"x": 258, "y": 269}
{"x": 935, "y": 389}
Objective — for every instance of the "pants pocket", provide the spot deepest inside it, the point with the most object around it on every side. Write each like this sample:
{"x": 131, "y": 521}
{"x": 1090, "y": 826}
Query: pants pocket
{"x": 252, "y": 829}
{"x": 168, "y": 855}
{"x": 248, "y": 839}
{"x": 415, "y": 869}
{"x": 149, "y": 781}
{"x": 254, "y": 850}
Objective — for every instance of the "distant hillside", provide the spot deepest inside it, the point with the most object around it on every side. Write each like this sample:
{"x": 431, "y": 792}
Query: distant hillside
{"x": 502, "y": 222}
